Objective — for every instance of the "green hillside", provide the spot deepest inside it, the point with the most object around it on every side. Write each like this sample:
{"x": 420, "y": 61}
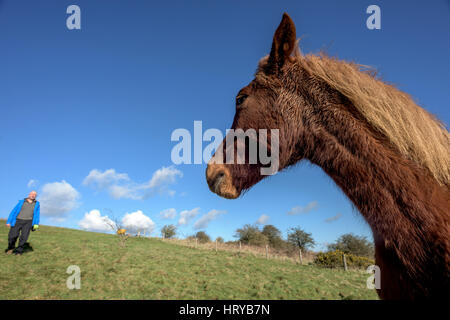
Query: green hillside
{"x": 152, "y": 269}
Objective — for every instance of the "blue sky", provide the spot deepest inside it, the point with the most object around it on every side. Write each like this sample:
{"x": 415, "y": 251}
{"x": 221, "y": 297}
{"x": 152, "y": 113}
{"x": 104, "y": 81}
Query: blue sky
{"x": 108, "y": 96}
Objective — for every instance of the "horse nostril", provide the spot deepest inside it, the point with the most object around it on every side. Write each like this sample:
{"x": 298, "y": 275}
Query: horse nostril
{"x": 215, "y": 180}
{"x": 219, "y": 181}
{"x": 218, "y": 178}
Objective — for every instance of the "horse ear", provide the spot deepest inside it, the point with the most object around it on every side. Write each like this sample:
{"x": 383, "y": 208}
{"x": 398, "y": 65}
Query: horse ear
{"x": 282, "y": 45}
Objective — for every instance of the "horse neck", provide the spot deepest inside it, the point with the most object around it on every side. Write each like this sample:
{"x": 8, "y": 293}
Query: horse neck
{"x": 402, "y": 203}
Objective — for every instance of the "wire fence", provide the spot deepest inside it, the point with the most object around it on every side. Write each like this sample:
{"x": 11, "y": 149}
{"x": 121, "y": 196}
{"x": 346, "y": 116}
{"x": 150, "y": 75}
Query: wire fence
{"x": 293, "y": 255}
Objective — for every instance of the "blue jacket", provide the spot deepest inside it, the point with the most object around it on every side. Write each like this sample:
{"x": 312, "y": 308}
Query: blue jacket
{"x": 15, "y": 212}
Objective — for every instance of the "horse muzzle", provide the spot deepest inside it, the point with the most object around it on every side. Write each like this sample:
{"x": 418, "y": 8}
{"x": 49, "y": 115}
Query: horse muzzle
{"x": 220, "y": 181}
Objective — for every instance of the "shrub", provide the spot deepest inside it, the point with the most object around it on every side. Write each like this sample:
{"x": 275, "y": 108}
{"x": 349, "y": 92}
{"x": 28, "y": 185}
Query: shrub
{"x": 273, "y": 235}
{"x": 300, "y": 239}
{"x": 334, "y": 259}
{"x": 251, "y": 235}
{"x": 169, "y": 231}
{"x": 219, "y": 240}
{"x": 202, "y": 237}
{"x": 356, "y": 245}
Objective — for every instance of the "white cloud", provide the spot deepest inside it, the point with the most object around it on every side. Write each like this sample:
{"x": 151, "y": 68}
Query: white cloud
{"x": 207, "y": 218}
{"x": 334, "y": 218}
{"x": 262, "y": 219}
{"x": 133, "y": 222}
{"x": 164, "y": 176}
{"x": 105, "y": 179}
{"x": 119, "y": 185}
{"x": 94, "y": 221}
{"x": 125, "y": 192}
{"x": 32, "y": 183}
{"x": 187, "y": 215}
{"x": 301, "y": 210}
{"x": 168, "y": 213}
{"x": 58, "y": 198}
{"x": 137, "y": 221}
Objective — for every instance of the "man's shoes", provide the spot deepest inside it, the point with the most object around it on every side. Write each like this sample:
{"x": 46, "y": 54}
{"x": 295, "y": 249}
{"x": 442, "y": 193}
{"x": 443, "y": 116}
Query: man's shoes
{"x": 9, "y": 251}
{"x": 17, "y": 251}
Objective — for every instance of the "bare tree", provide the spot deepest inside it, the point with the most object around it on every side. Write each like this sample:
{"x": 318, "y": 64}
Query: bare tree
{"x": 116, "y": 226}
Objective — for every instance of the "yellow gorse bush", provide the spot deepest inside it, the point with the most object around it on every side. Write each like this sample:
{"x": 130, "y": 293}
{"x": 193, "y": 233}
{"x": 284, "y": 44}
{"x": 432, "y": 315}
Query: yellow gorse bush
{"x": 334, "y": 259}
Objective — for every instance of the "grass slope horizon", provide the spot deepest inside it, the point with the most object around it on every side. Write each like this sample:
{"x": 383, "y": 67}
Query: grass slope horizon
{"x": 149, "y": 268}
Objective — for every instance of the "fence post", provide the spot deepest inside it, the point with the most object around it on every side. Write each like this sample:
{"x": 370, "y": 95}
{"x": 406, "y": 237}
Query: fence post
{"x": 216, "y": 245}
{"x": 240, "y": 247}
{"x": 345, "y": 261}
{"x": 267, "y": 251}
{"x": 196, "y": 240}
{"x": 300, "y": 255}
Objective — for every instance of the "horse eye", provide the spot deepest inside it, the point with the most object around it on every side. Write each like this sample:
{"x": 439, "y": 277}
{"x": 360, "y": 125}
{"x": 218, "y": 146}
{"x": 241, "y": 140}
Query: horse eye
{"x": 240, "y": 99}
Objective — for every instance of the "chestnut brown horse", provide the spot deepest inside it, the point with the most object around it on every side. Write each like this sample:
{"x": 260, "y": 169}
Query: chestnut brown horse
{"x": 388, "y": 155}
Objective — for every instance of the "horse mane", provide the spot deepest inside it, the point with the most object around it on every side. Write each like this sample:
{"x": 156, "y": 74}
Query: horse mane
{"x": 415, "y": 133}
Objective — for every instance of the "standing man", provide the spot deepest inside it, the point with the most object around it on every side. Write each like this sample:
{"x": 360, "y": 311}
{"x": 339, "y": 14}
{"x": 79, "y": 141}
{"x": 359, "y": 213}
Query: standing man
{"x": 22, "y": 219}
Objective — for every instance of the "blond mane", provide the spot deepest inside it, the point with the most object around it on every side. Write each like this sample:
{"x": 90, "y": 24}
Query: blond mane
{"x": 414, "y": 132}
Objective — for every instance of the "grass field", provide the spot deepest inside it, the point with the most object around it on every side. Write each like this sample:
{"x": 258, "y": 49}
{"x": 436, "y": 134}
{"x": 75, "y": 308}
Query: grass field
{"x": 149, "y": 268}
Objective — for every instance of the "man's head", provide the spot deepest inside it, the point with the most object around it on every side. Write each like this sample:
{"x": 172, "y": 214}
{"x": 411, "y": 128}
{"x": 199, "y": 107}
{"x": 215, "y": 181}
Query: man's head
{"x": 32, "y": 195}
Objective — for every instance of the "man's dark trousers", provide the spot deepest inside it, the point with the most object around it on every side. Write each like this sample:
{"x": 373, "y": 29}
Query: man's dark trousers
{"x": 21, "y": 225}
